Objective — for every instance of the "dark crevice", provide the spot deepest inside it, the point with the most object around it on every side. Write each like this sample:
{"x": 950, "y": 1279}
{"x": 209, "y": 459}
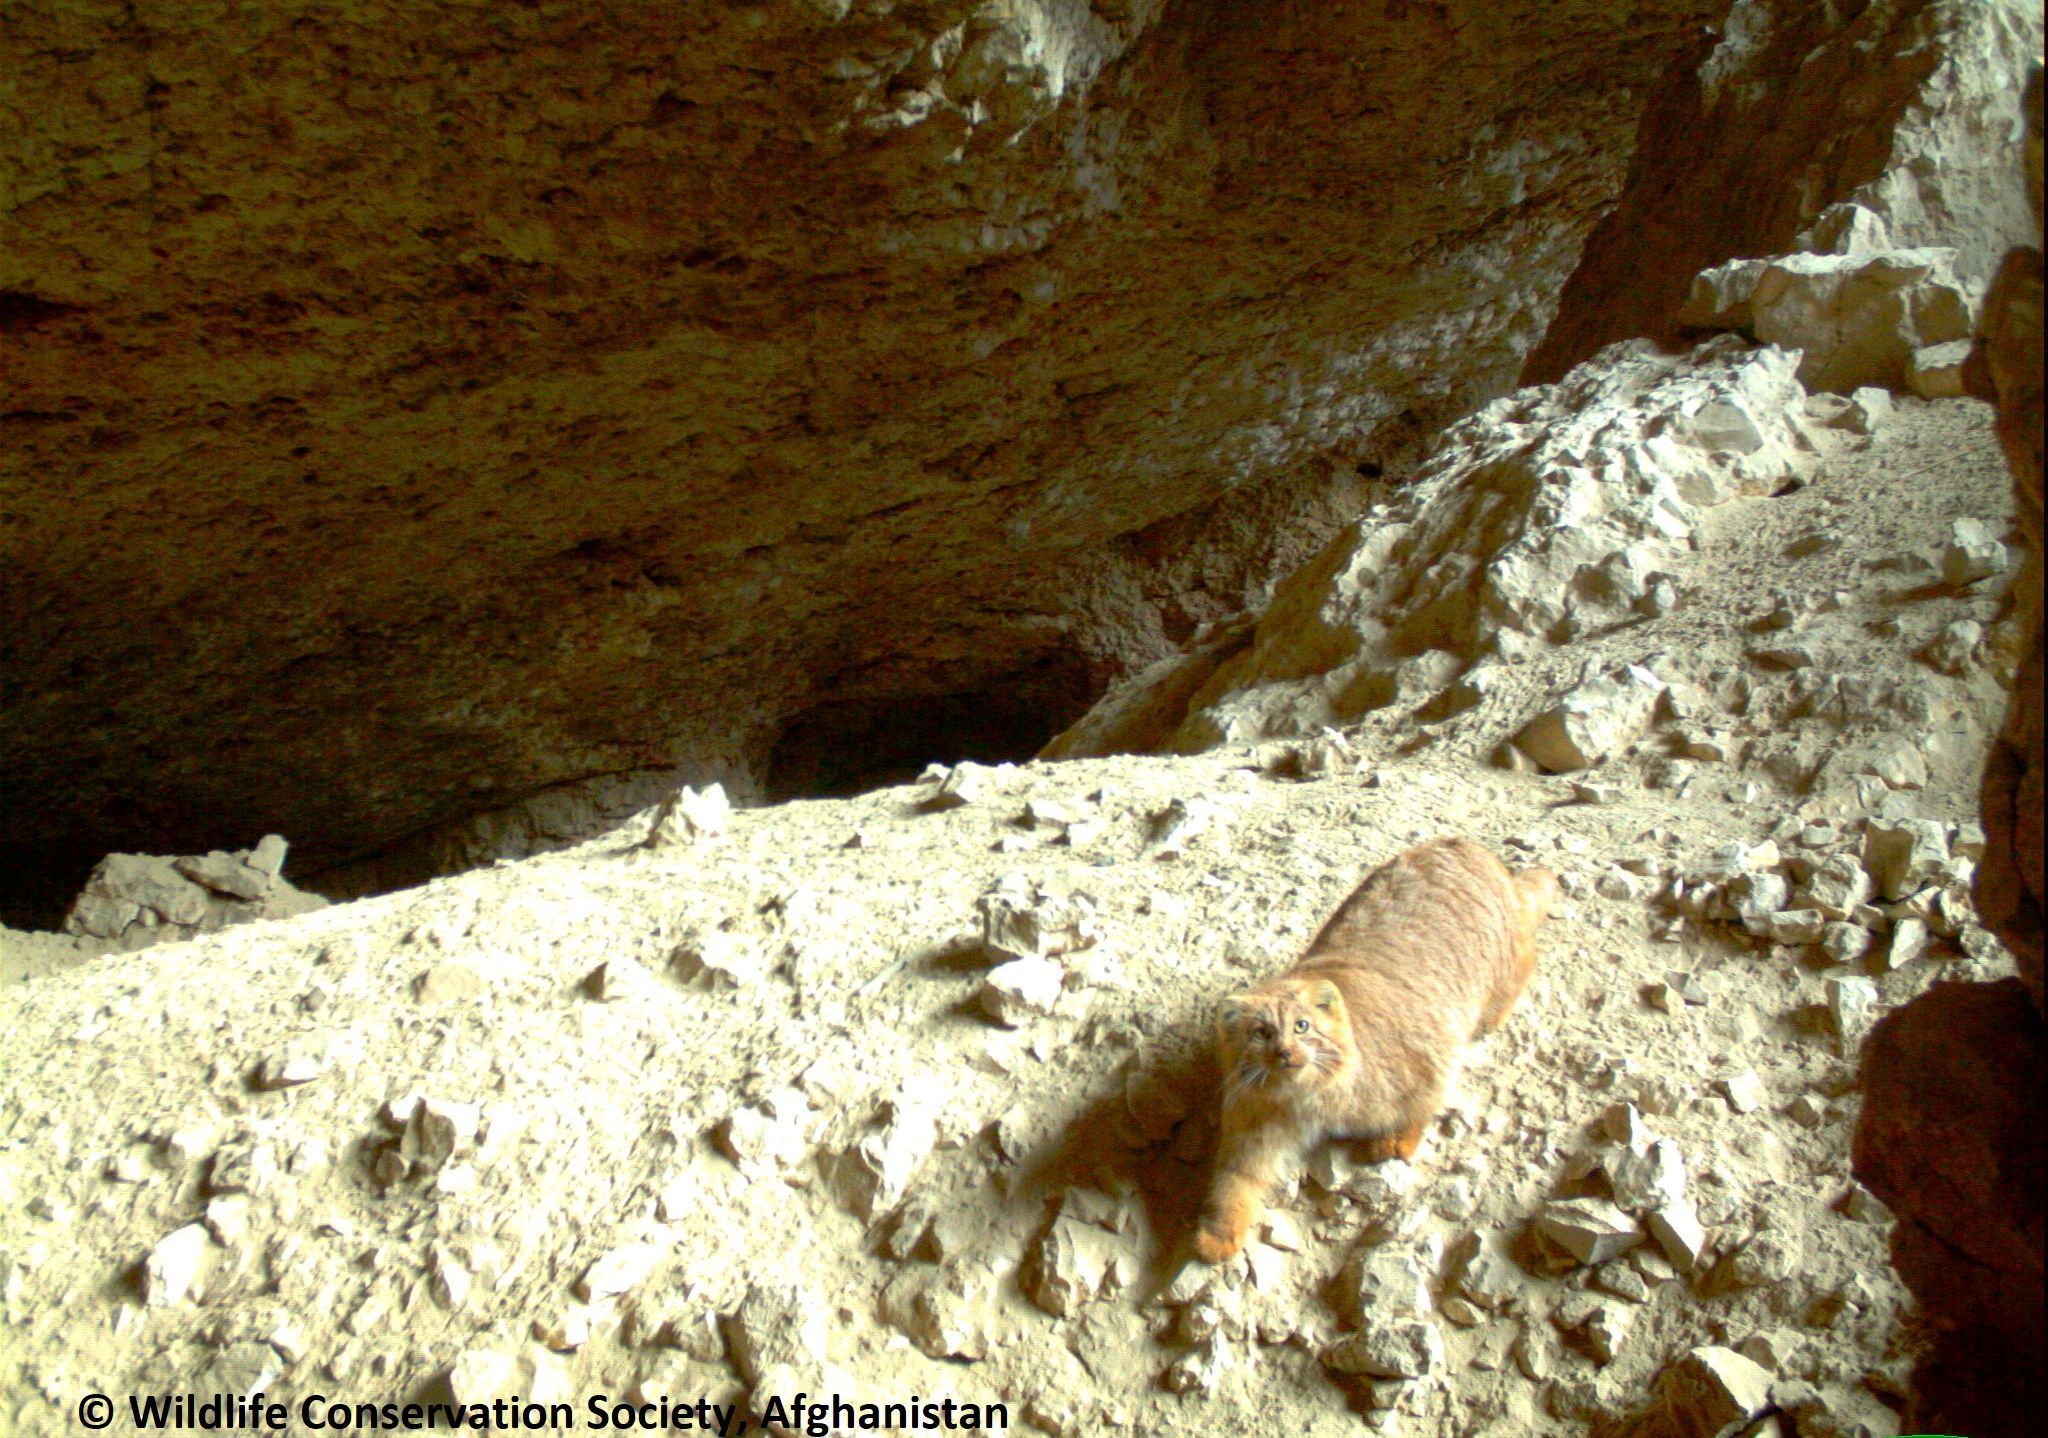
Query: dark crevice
{"x": 22, "y": 312}
{"x": 851, "y": 745}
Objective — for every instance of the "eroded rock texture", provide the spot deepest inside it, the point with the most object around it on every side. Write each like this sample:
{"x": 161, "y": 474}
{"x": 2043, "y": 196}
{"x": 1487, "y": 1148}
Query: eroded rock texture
{"x": 409, "y": 413}
{"x": 1950, "y": 1135}
{"x": 1899, "y": 107}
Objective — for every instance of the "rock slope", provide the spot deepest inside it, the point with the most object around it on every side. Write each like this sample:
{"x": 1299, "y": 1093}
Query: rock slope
{"x": 907, "y": 1095}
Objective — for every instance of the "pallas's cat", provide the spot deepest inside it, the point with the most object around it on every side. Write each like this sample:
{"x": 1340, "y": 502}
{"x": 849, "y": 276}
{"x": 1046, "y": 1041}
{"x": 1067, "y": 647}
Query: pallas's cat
{"x": 1359, "y": 1038}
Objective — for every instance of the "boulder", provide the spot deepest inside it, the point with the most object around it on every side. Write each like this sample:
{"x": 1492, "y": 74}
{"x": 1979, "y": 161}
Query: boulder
{"x": 1595, "y": 720}
{"x": 1858, "y": 319}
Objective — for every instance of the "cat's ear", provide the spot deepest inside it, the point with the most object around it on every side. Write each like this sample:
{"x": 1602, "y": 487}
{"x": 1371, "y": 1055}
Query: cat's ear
{"x": 1235, "y": 1009}
{"x": 1324, "y": 995}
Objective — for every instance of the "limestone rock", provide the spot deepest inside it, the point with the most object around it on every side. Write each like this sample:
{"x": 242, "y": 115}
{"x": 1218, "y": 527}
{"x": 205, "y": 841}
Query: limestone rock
{"x": 1588, "y": 1230}
{"x": 1837, "y": 886}
{"x": 1955, "y": 648}
{"x": 689, "y": 814}
{"x": 962, "y": 784}
{"x": 1844, "y": 943}
{"x": 1858, "y": 319}
{"x": 1902, "y": 855}
{"x": 1200, "y": 1368}
{"x": 1852, "y": 1003}
{"x": 1021, "y": 990}
{"x": 1393, "y": 1279}
{"x": 778, "y": 1322}
{"x": 769, "y": 1138}
{"x": 1179, "y": 825}
{"x": 1647, "y": 1175}
{"x": 1714, "y": 1392}
{"x": 1593, "y": 721}
{"x": 224, "y": 874}
{"x": 1020, "y": 920}
{"x": 1076, "y": 1262}
{"x": 1483, "y": 1273}
{"x": 873, "y": 1176}
{"x": 1908, "y": 942}
{"x": 174, "y": 1268}
{"x": 1936, "y": 371}
{"x": 1973, "y": 553}
{"x": 950, "y": 1313}
{"x": 1745, "y": 1091}
{"x": 1601, "y": 1326}
{"x": 621, "y": 1270}
{"x": 298, "y": 1063}
{"x": 1795, "y": 926}
{"x": 1771, "y": 1256}
{"x": 1563, "y": 509}
{"x": 1677, "y": 1229}
{"x": 717, "y": 959}
{"x": 135, "y": 900}
{"x": 431, "y": 1132}
{"x": 1388, "y": 1347}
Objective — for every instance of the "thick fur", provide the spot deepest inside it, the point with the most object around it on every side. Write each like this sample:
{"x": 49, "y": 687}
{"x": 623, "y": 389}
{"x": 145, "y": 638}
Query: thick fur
{"x": 1359, "y": 1039}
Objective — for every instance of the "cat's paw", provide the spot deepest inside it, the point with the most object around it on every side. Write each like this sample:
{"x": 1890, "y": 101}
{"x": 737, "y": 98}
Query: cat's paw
{"x": 1215, "y": 1247}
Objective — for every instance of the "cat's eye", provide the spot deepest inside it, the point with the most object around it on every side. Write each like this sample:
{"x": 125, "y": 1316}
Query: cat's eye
{"x": 1301, "y": 1026}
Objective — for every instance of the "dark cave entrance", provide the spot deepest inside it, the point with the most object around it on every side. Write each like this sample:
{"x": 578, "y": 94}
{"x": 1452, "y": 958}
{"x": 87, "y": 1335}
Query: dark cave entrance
{"x": 849, "y": 746}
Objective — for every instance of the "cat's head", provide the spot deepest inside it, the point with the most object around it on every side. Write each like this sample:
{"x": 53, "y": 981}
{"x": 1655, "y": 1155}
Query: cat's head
{"x": 1293, "y": 1032}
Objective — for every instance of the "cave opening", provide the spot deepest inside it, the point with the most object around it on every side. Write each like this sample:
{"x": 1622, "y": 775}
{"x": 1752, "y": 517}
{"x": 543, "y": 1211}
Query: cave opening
{"x": 846, "y": 746}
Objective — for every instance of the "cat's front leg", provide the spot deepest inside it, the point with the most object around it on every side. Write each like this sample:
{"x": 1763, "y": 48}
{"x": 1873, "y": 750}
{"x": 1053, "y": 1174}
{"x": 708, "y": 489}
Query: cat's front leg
{"x": 1249, "y": 1162}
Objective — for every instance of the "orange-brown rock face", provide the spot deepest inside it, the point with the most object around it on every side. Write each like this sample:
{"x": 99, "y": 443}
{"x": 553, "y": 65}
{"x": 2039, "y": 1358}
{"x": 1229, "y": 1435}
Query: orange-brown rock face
{"x": 410, "y": 407}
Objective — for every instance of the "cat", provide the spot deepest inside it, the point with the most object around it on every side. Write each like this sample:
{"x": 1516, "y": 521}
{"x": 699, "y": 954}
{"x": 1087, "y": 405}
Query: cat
{"x": 1358, "y": 1040}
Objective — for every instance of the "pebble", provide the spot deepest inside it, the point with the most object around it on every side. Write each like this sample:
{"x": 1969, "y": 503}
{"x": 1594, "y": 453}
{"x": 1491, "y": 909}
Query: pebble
{"x": 1714, "y": 1391}
{"x": 777, "y": 1323}
{"x": 1851, "y": 1002}
{"x": 958, "y": 786}
{"x": 621, "y": 1270}
{"x": 1973, "y": 552}
{"x": 872, "y": 1177}
{"x": 1954, "y": 649}
{"x": 1399, "y": 1347}
{"x": 1744, "y": 1091}
{"x": 1844, "y": 943}
{"x": 1678, "y": 1231}
{"x": 1903, "y": 855}
{"x": 172, "y": 1270}
{"x": 689, "y": 814}
{"x": 1645, "y": 1176}
{"x": 769, "y": 1138}
{"x": 1588, "y": 1230}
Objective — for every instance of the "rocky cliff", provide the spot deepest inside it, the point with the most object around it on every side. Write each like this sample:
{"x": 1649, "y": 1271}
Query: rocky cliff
{"x": 409, "y": 411}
